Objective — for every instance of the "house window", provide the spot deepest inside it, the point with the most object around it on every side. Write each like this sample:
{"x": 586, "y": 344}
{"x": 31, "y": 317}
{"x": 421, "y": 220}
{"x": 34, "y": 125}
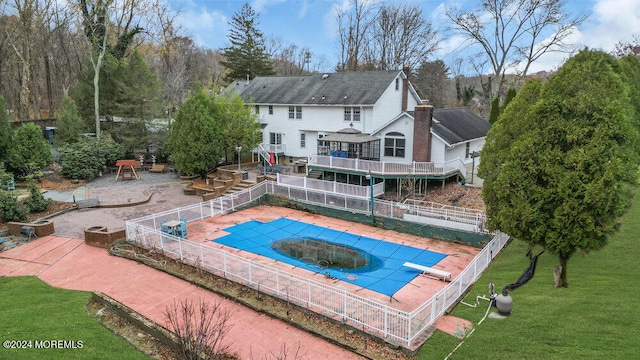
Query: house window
{"x": 394, "y": 144}
{"x": 303, "y": 142}
{"x": 397, "y": 84}
{"x": 275, "y": 138}
{"x": 257, "y": 109}
{"x": 270, "y": 109}
{"x": 347, "y": 114}
{"x": 295, "y": 112}
{"x": 351, "y": 114}
{"x": 466, "y": 152}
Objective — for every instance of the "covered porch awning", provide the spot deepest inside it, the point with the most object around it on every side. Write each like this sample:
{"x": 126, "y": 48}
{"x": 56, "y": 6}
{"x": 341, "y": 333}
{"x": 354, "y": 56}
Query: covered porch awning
{"x": 350, "y": 143}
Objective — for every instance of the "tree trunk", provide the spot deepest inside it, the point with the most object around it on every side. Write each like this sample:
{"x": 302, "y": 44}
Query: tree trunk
{"x": 96, "y": 94}
{"x": 560, "y": 273}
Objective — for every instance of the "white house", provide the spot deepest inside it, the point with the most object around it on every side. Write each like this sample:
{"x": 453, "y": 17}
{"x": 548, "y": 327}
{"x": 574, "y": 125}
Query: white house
{"x": 360, "y": 122}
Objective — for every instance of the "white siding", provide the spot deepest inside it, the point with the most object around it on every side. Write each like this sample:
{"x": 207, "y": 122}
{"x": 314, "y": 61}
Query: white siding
{"x": 389, "y": 105}
{"x": 330, "y": 118}
{"x": 314, "y": 119}
{"x": 458, "y": 151}
{"x": 403, "y": 125}
{"x": 438, "y": 149}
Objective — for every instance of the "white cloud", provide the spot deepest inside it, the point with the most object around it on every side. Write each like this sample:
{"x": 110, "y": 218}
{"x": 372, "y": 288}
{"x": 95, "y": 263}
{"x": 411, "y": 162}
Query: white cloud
{"x": 304, "y": 7}
{"x": 614, "y": 21}
{"x": 208, "y": 28}
{"x": 611, "y": 21}
{"x": 260, "y": 6}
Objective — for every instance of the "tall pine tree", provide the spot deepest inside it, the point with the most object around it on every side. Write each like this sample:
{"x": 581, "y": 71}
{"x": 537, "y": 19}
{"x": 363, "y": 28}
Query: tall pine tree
{"x": 247, "y": 53}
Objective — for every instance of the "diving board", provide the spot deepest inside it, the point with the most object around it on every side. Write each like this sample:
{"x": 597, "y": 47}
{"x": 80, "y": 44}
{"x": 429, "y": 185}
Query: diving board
{"x": 439, "y": 274}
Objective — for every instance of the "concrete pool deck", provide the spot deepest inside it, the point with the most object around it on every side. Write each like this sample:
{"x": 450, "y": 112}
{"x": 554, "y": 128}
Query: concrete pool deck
{"x": 70, "y": 264}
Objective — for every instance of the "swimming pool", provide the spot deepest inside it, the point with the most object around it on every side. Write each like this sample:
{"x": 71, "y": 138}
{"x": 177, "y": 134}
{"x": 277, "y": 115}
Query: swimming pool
{"x": 386, "y": 278}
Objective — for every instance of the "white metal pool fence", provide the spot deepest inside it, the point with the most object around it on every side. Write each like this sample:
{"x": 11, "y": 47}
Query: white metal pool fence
{"x": 376, "y": 318}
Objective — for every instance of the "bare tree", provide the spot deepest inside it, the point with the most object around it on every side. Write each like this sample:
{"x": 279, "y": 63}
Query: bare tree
{"x": 118, "y": 20}
{"x": 510, "y": 33}
{"x": 628, "y": 48}
{"x": 288, "y": 60}
{"x": 354, "y": 25}
{"x": 383, "y": 36}
{"x": 28, "y": 35}
{"x": 402, "y": 36}
{"x": 200, "y": 329}
{"x": 95, "y": 19}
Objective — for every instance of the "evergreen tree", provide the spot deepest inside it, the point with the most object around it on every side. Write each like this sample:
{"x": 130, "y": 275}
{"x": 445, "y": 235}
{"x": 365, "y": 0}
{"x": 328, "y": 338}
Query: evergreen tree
{"x": 69, "y": 124}
{"x": 495, "y": 110}
{"x": 5, "y": 130}
{"x": 29, "y": 152}
{"x": 556, "y": 168}
{"x": 195, "y": 138}
{"x": 511, "y": 93}
{"x": 238, "y": 123}
{"x": 130, "y": 99}
{"x": 247, "y": 53}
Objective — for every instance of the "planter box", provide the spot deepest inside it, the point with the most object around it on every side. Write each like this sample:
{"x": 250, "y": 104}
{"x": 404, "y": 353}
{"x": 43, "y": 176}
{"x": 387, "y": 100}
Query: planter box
{"x": 42, "y": 227}
{"x": 99, "y": 236}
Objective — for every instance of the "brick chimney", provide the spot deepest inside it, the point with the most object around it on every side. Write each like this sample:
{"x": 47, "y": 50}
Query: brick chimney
{"x": 423, "y": 116}
{"x": 405, "y": 87}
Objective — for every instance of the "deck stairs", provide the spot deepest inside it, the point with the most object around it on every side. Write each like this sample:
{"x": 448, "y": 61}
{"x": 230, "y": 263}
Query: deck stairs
{"x": 315, "y": 174}
{"x": 244, "y": 184}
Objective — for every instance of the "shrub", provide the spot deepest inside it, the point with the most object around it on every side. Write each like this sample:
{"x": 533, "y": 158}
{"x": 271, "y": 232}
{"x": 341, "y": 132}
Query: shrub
{"x": 200, "y": 329}
{"x": 11, "y": 209}
{"x": 36, "y": 202}
{"x": 86, "y": 158}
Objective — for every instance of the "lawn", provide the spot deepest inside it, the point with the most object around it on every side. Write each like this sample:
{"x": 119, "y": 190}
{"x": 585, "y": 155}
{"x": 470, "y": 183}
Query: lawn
{"x": 597, "y": 316}
{"x": 31, "y": 310}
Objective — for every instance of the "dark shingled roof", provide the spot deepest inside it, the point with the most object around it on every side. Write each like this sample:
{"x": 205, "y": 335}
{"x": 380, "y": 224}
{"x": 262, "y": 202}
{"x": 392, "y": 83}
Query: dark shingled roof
{"x": 360, "y": 88}
{"x": 458, "y": 125}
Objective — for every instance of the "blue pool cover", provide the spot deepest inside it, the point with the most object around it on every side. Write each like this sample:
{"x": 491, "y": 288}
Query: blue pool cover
{"x": 257, "y": 237}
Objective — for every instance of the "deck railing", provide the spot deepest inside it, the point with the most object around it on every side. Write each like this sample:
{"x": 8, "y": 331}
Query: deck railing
{"x": 375, "y": 317}
{"x": 271, "y": 148}
{"x": 389, "y": 168}
{"x": 330, "y": 186}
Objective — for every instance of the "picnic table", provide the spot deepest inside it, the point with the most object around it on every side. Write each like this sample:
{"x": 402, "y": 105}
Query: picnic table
{"x": 126, "y": 170}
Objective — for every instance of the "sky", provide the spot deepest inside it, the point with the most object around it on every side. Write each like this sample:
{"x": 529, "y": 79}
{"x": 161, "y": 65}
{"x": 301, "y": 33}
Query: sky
{"x": 311, "y": 24}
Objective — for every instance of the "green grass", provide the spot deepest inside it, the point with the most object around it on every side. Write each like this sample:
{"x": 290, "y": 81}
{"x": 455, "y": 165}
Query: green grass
{"x": 32, "y": 310}
{"x": 596, "y": 317}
